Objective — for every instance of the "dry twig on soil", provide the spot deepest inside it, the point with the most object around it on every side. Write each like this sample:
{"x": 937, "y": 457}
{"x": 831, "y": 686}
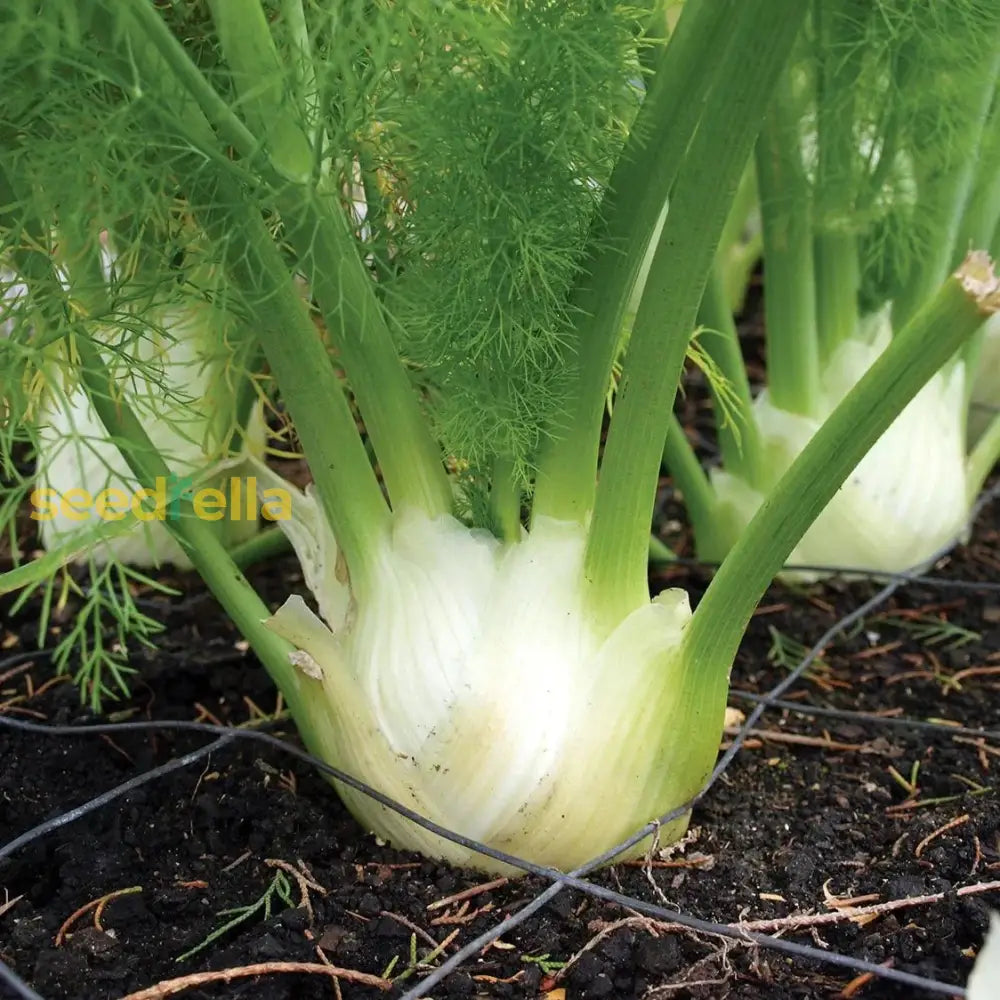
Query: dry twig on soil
{"x": 171, "y": 987}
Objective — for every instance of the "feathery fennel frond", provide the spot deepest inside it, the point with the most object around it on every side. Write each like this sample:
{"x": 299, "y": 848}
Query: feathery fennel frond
{"x": 899, "y": 105}
{"x": 98, "y": 623}
{"x": 484, "y": 134}
{"x": 503, "y": 147}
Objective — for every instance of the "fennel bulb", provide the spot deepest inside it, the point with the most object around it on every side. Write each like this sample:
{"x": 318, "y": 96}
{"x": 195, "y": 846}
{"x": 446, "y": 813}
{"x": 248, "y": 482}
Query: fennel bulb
{"x": 13, "y": 292}
{"x": 984, "y": 981}
{"x": 176, "y": 385}
{"x": 985, "y": 403}
{"x": 468, "y": 682}
{"x": 904, "y": 501}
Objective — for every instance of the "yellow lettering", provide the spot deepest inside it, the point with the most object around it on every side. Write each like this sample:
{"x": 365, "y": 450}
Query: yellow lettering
{"x": 111, "y": 504}
{"x": 235, "y": 498}
{"x": 158, "y": 510}
{"x": 44, "y": 504}
{"x": 251, "y": 506}
{"x": 276, "y": 505}
{"x": 76, "y": 504}
{"x": 209, "y": 505}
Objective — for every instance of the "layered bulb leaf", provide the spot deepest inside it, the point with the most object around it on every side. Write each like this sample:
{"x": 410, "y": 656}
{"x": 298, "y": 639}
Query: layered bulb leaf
{"x": 903, "y": 502}
{"x": 985, "y": 402}
{"x": 468, "y": 681}
{"x": 984, "y": 982}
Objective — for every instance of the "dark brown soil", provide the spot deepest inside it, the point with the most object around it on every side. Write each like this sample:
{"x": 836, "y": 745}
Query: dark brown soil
{"x": 792, "y": 827}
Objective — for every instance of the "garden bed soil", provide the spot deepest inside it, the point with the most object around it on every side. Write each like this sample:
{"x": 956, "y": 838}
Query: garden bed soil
{"x": 812, "y": 812}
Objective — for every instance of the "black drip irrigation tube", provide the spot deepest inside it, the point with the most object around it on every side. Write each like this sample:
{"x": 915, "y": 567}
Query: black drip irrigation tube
{"x": 226, "y": 737}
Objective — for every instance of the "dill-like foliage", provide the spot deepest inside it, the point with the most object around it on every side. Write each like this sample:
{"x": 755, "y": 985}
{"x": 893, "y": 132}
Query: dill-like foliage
{"x": 466, "y": 143}
{"x": 477, "y": 136}
{"x": 502, "y": 149}
{"x": 901, "y": 84}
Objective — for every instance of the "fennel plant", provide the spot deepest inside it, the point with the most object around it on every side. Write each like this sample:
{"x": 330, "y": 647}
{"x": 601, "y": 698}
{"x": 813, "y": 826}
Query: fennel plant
{"x": 470, "y": 191}
{"x": 877, "y": 172}
{"x": 173, "y": 360}
{"x": 172, "y": 350}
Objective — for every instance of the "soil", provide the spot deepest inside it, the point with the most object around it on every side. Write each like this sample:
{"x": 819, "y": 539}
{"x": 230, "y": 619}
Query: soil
{"x": 852, "y": 810}
{"x": 813, "y": 812}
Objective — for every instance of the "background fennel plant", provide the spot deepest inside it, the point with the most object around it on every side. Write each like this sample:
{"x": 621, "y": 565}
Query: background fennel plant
{"x": 876, "y": 171}
{"x": 470, "y": 193}
{"x": 178, "y": 357}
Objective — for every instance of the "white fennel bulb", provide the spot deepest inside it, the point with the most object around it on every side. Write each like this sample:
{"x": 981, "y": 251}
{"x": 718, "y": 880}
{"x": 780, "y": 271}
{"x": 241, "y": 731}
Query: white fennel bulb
{"x": 468, "y": 682}
{"x": 984, "y": 981}
{"x": 173, "y": 379}
{"x": 13, "y": 294}
{"x": 907, "y": 497}
{"x": 985, "y": 404}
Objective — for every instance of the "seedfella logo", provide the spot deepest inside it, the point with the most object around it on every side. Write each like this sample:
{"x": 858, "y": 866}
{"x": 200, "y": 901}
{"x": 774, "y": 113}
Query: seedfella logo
{"x": 170, "y": 498}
